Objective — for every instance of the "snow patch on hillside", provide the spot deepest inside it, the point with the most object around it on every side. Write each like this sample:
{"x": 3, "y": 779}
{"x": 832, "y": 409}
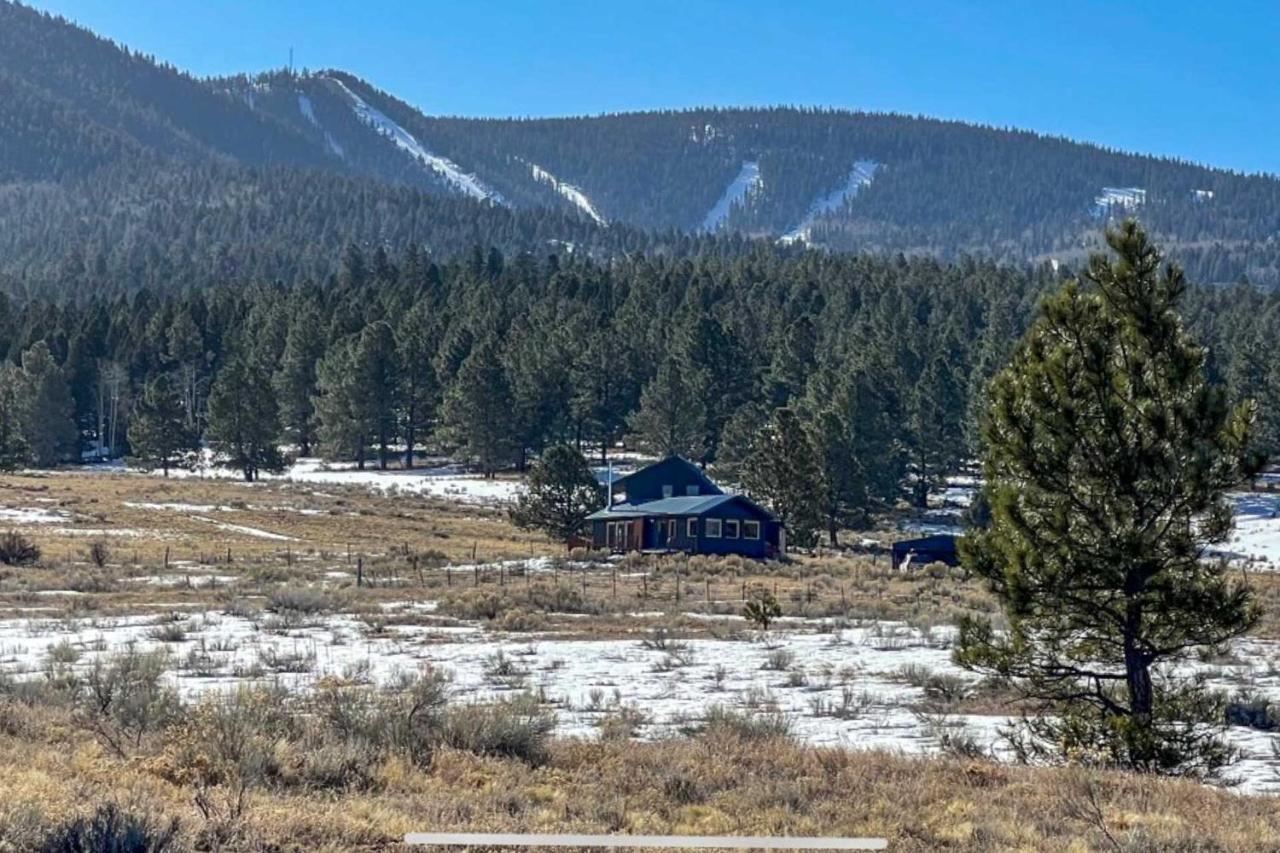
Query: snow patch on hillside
{"x": 860, "y": 176}
{"x": 575, "y": 195}
{"x": 1119, "y": 198}
{"x": 308, "y": 112}
{"x": 747, "y": 182}
{"x": 304, "y": 107}
{"x": 465, "y": 183}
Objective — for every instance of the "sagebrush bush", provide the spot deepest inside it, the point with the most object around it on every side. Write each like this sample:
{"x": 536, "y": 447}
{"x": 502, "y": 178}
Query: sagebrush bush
{"x": 519, "y": 727}
{"x": 125, "y": 698}
{"x": 760, "y": 725}
{"x": 110, "y": 830}
{"x": 300, "y": 599}
{"x": 17, "y": 550}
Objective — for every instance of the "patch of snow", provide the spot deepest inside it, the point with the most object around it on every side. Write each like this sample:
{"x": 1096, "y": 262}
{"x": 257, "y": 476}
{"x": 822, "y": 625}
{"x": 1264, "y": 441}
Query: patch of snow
{"x": 575, "y": 195}
{"x": 177, "y": 507}
{"x": 183, "y": 580}
{"x": 860, "y": 176}
{"x": 1119, "y": 198}
{"x": 246, "y": 530}
{"x": 445, "y": 168}
{"x": 748, "y": 182}
{"x": 1256, "y": 537}
{"x": 304, "y": 106}
{"x": 32, "y": 515}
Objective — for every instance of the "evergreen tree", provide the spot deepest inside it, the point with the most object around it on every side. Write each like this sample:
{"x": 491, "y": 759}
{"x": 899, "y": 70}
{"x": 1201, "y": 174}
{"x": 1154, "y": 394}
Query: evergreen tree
{"x": 342, "y": 429}
{"x": 721, "y": 373}
{"x": 934, "y": 433}
{"x": 244, "y": 421}
{"x": 477, "y": 414}
{"x": 158, "y": 431}
{"x": 671, "y": 419}
{"x": 374, "y": 385}
{"x": 562, "y": 491}
{"x": 1108, "y": 456}
{"x": 47, "y": 410}
{"x": 14, "y": 452}
{"x": 417, "y": 343}
{"x": 295, "y": 379}
{"x": 784, "y": 473}
{"x": 793, "y": 362}
{"x": 186, "y": 350}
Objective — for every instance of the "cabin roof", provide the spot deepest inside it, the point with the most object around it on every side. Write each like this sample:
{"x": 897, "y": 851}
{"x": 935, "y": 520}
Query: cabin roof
{"x": 680, "y": 462}
{"x": 682, "y": 505}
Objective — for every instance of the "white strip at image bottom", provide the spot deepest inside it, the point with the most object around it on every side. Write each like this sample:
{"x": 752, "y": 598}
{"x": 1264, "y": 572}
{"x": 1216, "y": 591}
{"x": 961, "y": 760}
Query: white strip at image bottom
{"x": 693, "y": 842}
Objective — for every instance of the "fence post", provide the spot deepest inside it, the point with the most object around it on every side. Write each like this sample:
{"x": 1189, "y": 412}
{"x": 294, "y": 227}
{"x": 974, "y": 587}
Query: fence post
{"x": 359, "y": 571}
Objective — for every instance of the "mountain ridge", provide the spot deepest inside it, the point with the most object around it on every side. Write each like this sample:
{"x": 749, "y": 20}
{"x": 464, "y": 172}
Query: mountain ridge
{"x": 80, "y": 104}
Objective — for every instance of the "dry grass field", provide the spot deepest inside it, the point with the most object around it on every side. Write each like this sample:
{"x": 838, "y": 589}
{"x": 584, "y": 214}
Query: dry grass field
{"x": 350, "y": 763}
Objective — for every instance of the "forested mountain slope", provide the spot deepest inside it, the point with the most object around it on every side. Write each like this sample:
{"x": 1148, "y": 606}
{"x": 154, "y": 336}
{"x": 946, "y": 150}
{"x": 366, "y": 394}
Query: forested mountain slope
{"x": 94, "y": 139}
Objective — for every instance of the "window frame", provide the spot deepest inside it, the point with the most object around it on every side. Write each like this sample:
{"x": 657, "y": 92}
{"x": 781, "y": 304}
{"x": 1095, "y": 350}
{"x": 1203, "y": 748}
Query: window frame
{"x": 748, "y": 525}
{"x": 692, "y": 490}
{"x": 691, "y": 528}
{"x": 712, "y": 528}
{"x": 668, "y": 491}
{"x": 732, "y": 528}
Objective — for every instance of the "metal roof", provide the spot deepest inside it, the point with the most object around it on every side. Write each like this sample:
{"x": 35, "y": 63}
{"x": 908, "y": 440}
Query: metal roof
{"x": 682, "y": 505}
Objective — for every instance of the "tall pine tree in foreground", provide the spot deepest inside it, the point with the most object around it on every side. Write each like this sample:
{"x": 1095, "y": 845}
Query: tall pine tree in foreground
{"x": 1108, "y": 455}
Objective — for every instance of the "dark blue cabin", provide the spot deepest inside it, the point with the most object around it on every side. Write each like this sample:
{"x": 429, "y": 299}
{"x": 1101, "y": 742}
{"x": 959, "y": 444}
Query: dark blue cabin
{"x": 673, "y": 506}
{"x": 939, "y": 548}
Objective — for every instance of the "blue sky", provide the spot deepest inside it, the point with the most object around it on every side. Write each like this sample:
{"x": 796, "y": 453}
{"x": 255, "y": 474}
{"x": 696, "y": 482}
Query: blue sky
{"x": 1189, "y": 79}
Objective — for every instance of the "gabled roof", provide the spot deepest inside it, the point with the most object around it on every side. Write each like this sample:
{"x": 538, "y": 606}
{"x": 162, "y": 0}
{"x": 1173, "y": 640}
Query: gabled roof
{"x": 683, "y": 505}
{"x": 690, "y": 468}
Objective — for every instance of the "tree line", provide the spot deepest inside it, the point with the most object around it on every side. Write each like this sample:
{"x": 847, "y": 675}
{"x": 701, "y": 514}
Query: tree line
{"x": 830, "y": 386}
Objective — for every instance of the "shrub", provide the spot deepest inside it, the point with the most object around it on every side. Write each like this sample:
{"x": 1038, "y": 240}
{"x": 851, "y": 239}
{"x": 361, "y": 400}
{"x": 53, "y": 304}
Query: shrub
{"x": 99, "y": 553}
{"x": 300, "y": 599}
{"x": 779, "y": 660}
{"x": 110, "y": 830}
{"x": 762, "y": 609}
{"x": 763, "y": 725}
{"x": 125, "y": 698}
{"x": 17, "y": 550}
{"x": 514, "y": 728}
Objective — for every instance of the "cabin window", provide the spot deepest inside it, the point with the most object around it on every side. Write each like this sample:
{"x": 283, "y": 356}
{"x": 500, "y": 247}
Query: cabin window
{"x": 731, "y": 529}
{"x": 691, "y": 490}
{"x": 668, "y": 491}
{"x": 691, "y": 528}
{"x": 671, "y": 530}
{"x": 750, "y": 530}
{"x": 713, "y": 528}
